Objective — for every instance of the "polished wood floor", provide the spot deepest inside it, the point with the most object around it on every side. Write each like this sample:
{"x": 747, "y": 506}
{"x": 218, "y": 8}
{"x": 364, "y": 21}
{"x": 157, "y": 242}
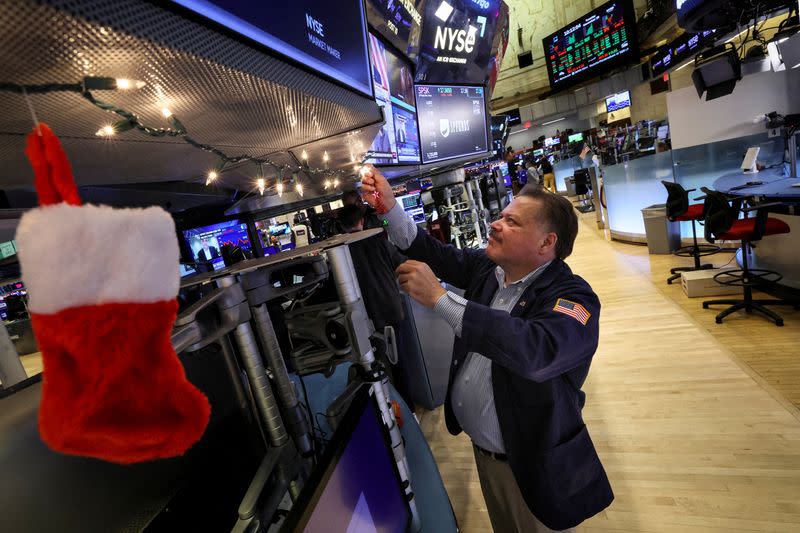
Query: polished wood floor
{"x": 694, "y": 421}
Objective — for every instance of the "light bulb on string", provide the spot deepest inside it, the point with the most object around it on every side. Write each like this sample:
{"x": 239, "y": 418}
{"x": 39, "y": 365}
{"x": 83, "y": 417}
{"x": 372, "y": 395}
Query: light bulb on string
{"x": 279, "y": 187}
{"x": 125, "y": 84}
{"x": 327, "y": 184}
{"x": 261, "y": 184}
{"x": 304, "y": 157}
{"x": 106, "y": 131}
{"x": 211, "y": 177}
{"x": 299, "y": 188}
{"x": 335, "y": 182}
{"x": 166, "y": 112}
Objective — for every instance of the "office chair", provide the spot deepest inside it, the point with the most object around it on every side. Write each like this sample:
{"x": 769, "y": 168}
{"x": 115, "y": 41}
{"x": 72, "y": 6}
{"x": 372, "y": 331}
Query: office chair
{"x": 679, "y": 210}
{"x": 723, "y": 222}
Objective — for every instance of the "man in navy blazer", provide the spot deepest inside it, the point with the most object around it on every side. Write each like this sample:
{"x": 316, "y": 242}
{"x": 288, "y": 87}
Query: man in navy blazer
{"x": 526, "y": 330}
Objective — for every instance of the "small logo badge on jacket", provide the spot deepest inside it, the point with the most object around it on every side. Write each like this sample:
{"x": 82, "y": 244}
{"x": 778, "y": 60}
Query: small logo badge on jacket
{"x": 573, "y": 309}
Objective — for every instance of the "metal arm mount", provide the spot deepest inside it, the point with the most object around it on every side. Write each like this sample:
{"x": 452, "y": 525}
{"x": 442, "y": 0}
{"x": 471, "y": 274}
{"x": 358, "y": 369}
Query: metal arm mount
{"x": 259, "y": 290}
{"x": 344, "y": 275}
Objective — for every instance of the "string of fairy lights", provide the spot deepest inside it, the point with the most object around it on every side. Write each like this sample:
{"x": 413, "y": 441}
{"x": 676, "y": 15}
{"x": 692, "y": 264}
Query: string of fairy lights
{"x": 130, "y": 121}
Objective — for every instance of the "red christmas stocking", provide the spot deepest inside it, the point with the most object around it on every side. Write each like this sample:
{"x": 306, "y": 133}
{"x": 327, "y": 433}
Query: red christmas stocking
{"x": 102, "y": 284}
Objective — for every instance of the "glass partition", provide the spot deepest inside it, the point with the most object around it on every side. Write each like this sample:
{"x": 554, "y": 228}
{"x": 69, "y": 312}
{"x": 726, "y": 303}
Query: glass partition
{"x": 632, "y": 186}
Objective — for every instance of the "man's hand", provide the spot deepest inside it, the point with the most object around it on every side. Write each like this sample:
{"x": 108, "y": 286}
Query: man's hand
{"x": 418, "y": 281}
{"x": 376, "y": 189}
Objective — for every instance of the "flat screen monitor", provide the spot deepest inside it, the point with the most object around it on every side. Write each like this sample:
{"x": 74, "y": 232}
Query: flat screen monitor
{"x": 274, "y": 237}
{"x": 355, "y": 486}
{"x": 452, "y": 121}
{"x": 400, "y": 23}
{"x": 206, "y": 242}
{"x": 397, "y": 141}
{"x": 615, "y": 102}
{"x": 663, "y": 132}
{"x": 538, "y": 152}
{"x": 458, "y": 37}
{"x": 595, "y": 43}
{"x": 680, "y": 49}
{"x": 412, "y": 204}
{"x": 186, "y": 270}
{"x": 575, "y": 138}
{"x": 550, "y": 142}
{"x": 328, "y": 37}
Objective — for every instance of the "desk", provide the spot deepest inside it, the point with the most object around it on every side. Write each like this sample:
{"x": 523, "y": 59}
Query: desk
{"x": 776, "y": 252}
{"x": 776, "y": 184}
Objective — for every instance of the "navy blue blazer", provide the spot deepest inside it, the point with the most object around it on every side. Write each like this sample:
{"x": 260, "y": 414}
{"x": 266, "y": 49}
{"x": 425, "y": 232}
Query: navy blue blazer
{"x": 540, "y": 359}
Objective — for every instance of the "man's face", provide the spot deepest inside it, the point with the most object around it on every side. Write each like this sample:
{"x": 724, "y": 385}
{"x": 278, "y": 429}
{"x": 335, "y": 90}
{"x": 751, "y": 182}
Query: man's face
{"x": 517, "y": 236}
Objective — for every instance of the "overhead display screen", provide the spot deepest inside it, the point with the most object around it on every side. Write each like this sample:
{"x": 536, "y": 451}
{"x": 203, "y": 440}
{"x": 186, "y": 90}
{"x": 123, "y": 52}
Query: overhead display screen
{"x": 682, "y": 48}
{"x": 615, "y": 102}
{"x": 457, "y": 41}
{"x": 397, "y": 141}
{"x": 603, "y": 39}
{"x": 329, "y": 37}
{"x": 206, "y": 242}
{"x": 399, "y": 22}
{"x": 452, "y": 121}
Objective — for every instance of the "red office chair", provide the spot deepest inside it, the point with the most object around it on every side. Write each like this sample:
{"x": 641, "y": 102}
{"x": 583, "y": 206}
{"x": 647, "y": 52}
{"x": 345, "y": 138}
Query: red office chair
{"x": 679, "y": 210}
{"x": 723, "y": 223}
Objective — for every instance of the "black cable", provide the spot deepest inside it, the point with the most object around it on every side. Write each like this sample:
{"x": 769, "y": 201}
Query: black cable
{"x": 310, "y": 419}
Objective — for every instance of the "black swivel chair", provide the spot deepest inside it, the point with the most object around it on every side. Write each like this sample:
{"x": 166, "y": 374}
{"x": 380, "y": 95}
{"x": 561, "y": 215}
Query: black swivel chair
{"x": 723, "y": 222}
{"x": 679, "y": 210}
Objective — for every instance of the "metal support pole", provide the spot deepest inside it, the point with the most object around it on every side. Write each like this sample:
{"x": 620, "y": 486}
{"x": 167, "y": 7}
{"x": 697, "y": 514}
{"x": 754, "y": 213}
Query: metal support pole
{"x": 257, "y": 375}
{"x": 296, "y": 419}
{"x": 793, "y": 155}
{"x": 350, "y": 295}
{"x": 11, "y": 369}
{"x": 475, "y": 212}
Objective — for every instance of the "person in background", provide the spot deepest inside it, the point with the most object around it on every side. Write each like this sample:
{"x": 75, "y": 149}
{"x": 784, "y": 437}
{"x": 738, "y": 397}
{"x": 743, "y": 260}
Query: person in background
{"x": 509, "y": 156}
{"x": 375, "y": 261}
{"x": 526, "y": 331}
{"x": 548, "y": 177}
{"x": 371, "y": 219}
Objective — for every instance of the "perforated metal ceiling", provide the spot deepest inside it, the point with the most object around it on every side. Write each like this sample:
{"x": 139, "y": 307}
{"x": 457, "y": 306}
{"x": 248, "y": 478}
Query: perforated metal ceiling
{"x": 225, "y": 91}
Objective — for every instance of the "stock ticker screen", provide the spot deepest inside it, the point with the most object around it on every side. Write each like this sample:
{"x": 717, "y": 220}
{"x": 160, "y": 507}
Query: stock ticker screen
{"x": 603, "y": 39}
{"x": 452, "y": 121}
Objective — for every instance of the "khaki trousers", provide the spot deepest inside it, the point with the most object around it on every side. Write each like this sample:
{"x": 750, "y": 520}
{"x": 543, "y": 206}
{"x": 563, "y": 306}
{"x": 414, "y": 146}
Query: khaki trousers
{"x": 549, "y": 182}
{"x": 507, "y": 509}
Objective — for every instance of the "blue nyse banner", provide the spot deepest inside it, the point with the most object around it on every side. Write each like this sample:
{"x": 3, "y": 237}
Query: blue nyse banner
{"x": 328, "y": 36}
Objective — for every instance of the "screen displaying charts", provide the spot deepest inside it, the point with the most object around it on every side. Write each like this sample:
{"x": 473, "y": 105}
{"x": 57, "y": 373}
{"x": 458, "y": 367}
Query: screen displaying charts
{"x": 602, "y": 39}
{"x": 397, "y": 141}
{"x": 452, "y": 121}
{"x": 206, "y": 242}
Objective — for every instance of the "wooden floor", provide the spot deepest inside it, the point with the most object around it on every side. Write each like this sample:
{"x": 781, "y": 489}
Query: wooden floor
{"x": 693, "y": 421}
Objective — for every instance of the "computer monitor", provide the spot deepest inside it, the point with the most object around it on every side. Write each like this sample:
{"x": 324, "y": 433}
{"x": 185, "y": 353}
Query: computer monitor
{"x": 412, "y": 204}
{"x": 539, "y": 152}
{"x": 206, "y": 242}
{"x": 397, "y": 141}
{"x": 452, "y": 121}
{"x": 575, "y": 138}
{"x": 274, "y": 237}
{"x": 356, "y": 485}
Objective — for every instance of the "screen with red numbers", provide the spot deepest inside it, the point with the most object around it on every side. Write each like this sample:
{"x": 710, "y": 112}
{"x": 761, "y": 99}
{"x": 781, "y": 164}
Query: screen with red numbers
{"x": 601, "y": 40}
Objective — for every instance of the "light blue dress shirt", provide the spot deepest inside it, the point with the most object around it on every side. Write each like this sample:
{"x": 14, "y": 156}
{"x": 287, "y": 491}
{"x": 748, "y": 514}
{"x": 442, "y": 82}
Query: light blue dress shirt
{"x": 471, "y": 396}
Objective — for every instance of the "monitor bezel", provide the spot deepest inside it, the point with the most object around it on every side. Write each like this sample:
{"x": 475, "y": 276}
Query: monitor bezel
{"x": 300, "y": 514}
{"x": 486, "y": 126}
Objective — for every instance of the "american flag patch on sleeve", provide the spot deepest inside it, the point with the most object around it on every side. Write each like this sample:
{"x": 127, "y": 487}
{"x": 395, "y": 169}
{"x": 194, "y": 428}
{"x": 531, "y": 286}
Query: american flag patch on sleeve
{"x": 575, "y": 310}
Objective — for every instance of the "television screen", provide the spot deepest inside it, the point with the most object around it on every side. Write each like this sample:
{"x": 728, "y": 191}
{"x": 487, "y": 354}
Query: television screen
{"x": 538, "y": 152}
{"x": 452, "y": 121}
{"x": 679, "y": 50}
{"x": 599, "y": 41}
{"x": 186, "y": 270}
{"x": 274, "y": 237}
{"x": 400, "y": 23}
{"x": 457, "y": 43}
{"x": 550, "y": 142}
{"x": 663, "y": 132}
{"x": 615, "y": 102}
{"x": 328, "y": 37}
{"x": 397, "y": 141}
{"x": 575, "y": 138}
{"x": 356, "y": 486}
{"x": 206, "y": 242}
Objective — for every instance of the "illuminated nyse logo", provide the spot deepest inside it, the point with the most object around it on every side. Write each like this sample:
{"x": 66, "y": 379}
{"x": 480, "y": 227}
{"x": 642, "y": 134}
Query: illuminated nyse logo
{"x": 447, "y": 126}
{"x": 315, "y": 25}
